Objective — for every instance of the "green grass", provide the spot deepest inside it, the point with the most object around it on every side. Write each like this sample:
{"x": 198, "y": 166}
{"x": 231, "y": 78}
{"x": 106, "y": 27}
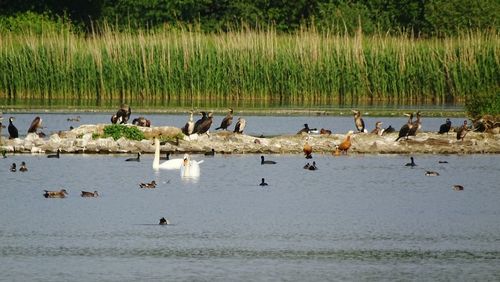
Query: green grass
{"x": 306, "y": 68}
{"x": 118, "y": 131}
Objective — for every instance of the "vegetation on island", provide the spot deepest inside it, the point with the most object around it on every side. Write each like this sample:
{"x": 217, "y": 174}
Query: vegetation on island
{"x": 117, "y": 131}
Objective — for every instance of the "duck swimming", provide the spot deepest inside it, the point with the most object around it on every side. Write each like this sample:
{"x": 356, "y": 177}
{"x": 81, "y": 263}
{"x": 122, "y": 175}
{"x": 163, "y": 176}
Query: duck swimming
{"x": 313, "y": 166}
{"x": 56, "y": 155}
{"x": 13, "y": 167}
{"x": 262, "y": 161}
{"x": 87, "y": 194}
{"x": 190, "y": 168}
{"x": 307, "y": 166}
{"x": 263, "y": 183}
{"x": 458, "y": 187}
{"x": 55, "y": 194}
{"x": 23, "y": 167}
{"x": 164, "y": 221}
{"x": 412, "y": 163}
{"x": 210, "y": 153}
{"x": 137, "y": 159}
{"x": 152, "y": 184}
{"x": 431, "y": 173}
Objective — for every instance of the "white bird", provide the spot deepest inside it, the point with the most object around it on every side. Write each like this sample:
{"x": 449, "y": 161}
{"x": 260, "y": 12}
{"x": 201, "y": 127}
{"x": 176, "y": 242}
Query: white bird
{"x": 190, "y": 168}
{"x": 170, "y": 164}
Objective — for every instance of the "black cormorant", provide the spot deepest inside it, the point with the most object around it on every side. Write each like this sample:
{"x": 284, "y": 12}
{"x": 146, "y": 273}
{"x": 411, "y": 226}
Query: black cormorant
{"x": 13, "y": 132}
{"x": 199, "y": 122}
{"x": 56, "y": 155}
{"x": 226, "y": 122}
{"x": 206, "y": 124}
{"x": 137, "y": 159}
{"x": 412, "y": 163}
{"x": 262, "y": 161}
{"x": 445, "y": 128}
{"x": 263, "y": 183}
{"x": 405, "y": 129}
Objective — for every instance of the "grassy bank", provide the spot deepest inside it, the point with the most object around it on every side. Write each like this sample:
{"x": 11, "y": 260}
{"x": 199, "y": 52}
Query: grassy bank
{"x": 306, "y": 68}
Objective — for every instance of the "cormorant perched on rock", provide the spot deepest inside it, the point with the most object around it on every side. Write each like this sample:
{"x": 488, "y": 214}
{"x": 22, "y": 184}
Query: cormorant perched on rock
{"x": 405, "y": 129}
{"x": 378, "y": 129}
{"x": 240, "y": 125}
{"x": 13, "y": 132}
{"x": 200, "y": 121}
{"x": 142, "y": 121}
{"x": 445, "y": 128}
{"x": 23, "y": 167}
{"x": 358, "y": 121}
{"x": 189, "y": 126}
{"x": 346, "y": 144}
{"x": 263, "y": 183}
{"x": 412, "y": 163}
{"x": 226, "y": 122}
{"x": 262, "y": 161}
{"x": 56, "y": 155}
{"x": 138, "y": 159}
{"x": 462, "y": 131}
{"x": 122, "y": 115}
{"x": 205, "y": 125}
{"x": 417, "y": 125}
{"x": 35, "y": 124}
{"x": 87, "y": 194}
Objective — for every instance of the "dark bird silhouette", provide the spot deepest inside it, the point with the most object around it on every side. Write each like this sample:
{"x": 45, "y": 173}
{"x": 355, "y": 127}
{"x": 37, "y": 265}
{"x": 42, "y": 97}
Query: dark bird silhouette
{"x": 35, "y": 124}
{"x": 211, "y": 153}
{"x": 23, "y": 167}
{"x": 240, "y": 126}
{"x": 142, "y": 121}
{"x": 412, "y": 163}
{"x": 200, "y": 121}
{"x": 389, "y": 129}
{"x": 206, "y": 124}
{"x": 458, "y": 187}
{"x": 358, "y": 121}
{"x": 13, "y": 167}
{"x": 307, "y": 166}
{"x": 262, "y": 161}
{"x": 122, "y": 115}
{"x": 164, "y": 221}
{"x": 263, "y": 183}
{"x": 462, "y": 131}
{"x": 226, "y": 122}
{"x": 313, "y": 166}
{"x": 56, "y": 155}
{"x": 445, "y": 128}
{"x": 87, "y": 194}
{"x": 443, "y": 162}
{"x": 150, "y": 185}
{"x": 417, "y": 125}
{"x": 189, "y": 126}
{"x": 405, "y": 129}
{"x": 137, "y": 159}
{"x": 306, "y": 129}
{"x": 13, "y": 132}
{"x": 166, "y": 157}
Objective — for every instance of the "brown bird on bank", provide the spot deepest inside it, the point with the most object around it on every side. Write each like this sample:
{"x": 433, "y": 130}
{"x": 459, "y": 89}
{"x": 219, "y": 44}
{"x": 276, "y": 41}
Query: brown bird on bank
{"x": 240, "y": 125}
{"x": 378, "y": 129}
{"x": 462, "y": 131}
{"x": 142, "y": 121}
{"x": 358, "y": 121}
{"x": 89, "y": 194}
{"x": 323, "y": 131}
{"x": 189, "y": 126}
{"x": 307, "y": 149}
{"x": 405, "y": 129}
{"x": 346, "y": 144}
{"x": 226, "y": 122}
{"x": 337, "y": 151}
{"x": 55, "y": 194}
{"x": 152, "y": 184}
{"x": 417, "y": 125}
{"x": 122, "y": 115}
{"x": 35, "y": 124}
{"x": 206, "y": 124}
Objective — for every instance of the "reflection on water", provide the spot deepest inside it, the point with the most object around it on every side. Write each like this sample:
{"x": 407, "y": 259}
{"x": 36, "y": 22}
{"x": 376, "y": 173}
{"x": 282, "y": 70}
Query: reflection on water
{"x": 356, "y": 218}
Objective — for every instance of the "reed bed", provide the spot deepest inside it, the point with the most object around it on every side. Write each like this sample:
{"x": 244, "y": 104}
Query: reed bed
{"x": 305, "y": 67}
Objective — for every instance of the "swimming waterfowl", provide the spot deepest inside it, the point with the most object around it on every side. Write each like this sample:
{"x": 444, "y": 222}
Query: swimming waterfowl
{"x": 346, "y": 144}
{"x": 77, "y": 118}
{"x": 211, "y": 153}
{"x": 169, "y": 164}
{"x": 137, "y": 159}
{"x": 443, "y": 162}
{"x": 431, "y": 173}
{"x": 263, "y": 182}
{"x": 55, "y": 194}
{"x": 462, "y": 131}
{"x": 323, "y": 131}
{"x": 307, "y": 166}
{"x": 262, "y": 161}
{"x": 226, "y": 122}
{"x": 206, "y": 124}
{"x": 151, "y": 184}
{"x": 164, "y": 221}
{"x": 56, "y": 155}
{"x": 35, "y": 124}
{"x": 122, "y": 115}
{"x": 166, "y": 157}
{"x": 240, "y": 125}
{"x": 313, "y": 166}
{"x": 200, "y": 121}
{"x": 13, "y": 167}
{"x": 189, "y": 126}
{"x": 307, "y": 149}
{"x": 190, "y": 168}
{"x": 13, "y": 132}
{"x": 412, "y": 163}
{"x": 89, "y": 194}
{"x": 358, "y": 121}
{"x": 23, "y": 167}
{"x": 378, "y": 129}
{"x": 417, "y": 125}
{"x": 142, "y": 121}
{"x": 458, "y": 187}
{"x": 445, "y": 128}
{"x": 405, "y": 129}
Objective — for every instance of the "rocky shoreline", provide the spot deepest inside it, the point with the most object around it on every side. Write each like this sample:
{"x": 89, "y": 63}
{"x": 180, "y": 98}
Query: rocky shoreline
{"x": 81, "y": 140}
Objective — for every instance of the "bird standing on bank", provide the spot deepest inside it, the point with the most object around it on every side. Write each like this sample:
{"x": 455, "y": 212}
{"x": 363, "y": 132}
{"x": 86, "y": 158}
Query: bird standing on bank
{"x": 462, "y": 131}
{"x": 445, "y": 128}
{"x": 405, "y": 129}
{"x": 358, "y": 121}
{"x": 226, "y": 122}
{"x": 189, "y": 126}
{"x": 13, "y": 132}
{"x": 240, "y": 126}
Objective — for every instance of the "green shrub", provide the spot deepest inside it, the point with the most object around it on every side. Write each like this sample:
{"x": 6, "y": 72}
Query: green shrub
{"x": 117, "y": 131}
{"x": 478, "y": 105}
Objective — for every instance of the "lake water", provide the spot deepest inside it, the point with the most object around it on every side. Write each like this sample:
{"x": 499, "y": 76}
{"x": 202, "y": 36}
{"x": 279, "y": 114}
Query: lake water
{"x": 357, "y": 218}
{"x": 256, "y": 125}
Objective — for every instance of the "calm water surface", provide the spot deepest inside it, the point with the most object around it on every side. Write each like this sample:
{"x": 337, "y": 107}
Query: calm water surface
{"x": 359, "y": 217}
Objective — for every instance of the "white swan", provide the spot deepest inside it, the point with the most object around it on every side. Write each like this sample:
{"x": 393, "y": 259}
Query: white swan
{"x": 170, "y": 164}
{"x": 190, "y": 168}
